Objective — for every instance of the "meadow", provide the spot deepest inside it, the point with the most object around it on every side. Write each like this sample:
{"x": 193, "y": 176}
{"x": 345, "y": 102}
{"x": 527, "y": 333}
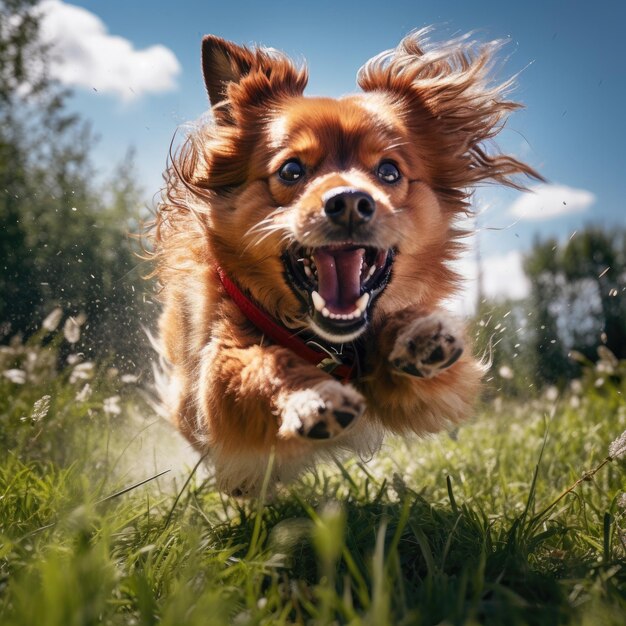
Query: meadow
{"x": 518, "y": 517}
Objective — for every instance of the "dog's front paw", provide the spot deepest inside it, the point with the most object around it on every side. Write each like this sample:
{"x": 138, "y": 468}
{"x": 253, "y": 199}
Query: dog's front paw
{"x": 427, "y": 346}
{"x": 322, "y": 412}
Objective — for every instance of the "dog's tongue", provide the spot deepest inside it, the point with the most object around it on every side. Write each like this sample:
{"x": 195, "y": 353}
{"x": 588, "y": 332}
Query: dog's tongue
{"x": 339, "y": 277}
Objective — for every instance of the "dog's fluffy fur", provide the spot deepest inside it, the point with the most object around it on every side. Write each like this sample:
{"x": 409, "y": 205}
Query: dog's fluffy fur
{"x": 378, "y": 179}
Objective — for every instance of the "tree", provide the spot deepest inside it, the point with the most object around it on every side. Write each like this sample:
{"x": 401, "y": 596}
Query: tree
{"x": 63, "y": 242}
{"x": 593, "y": 258}
{"x": 578, "y": 297}
{"x": 542, "y": 266}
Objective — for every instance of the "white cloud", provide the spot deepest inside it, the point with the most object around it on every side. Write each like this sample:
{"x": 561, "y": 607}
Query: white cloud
{"x": 86, "y": 55}
{"x": 502, "y": 277}
{"x": 545, "y": 202}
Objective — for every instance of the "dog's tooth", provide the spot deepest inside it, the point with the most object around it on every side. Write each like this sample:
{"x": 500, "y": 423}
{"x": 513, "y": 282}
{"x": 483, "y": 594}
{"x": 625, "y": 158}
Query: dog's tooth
{"x": 361, "y": 303}
{"x": 325, "y": 312}
{"x": 308, "y": 272}
{"x": 371, "y": 271}
{"x": 318, "y": 302}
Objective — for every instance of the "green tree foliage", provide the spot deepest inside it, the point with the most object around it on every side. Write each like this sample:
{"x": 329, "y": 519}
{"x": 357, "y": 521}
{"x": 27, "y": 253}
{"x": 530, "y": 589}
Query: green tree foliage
{"x": 578, "y": 299}
{"x": 63, "y": 241}
{"x": 542, "y": 266}
{"x": 595, "y": 260}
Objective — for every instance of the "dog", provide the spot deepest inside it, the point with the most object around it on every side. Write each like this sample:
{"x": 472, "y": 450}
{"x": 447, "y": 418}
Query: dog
{"x": 304, "y": 249}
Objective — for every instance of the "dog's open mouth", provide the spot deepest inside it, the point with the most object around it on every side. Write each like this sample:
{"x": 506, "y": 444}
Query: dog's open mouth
{"x": 338, "y": 284}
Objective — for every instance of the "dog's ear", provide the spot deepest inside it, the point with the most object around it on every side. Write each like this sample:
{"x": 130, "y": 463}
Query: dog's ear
{"x": 223, "y": 62}
{"x": 235, "y": 74}
{"x": 446, "y": 95}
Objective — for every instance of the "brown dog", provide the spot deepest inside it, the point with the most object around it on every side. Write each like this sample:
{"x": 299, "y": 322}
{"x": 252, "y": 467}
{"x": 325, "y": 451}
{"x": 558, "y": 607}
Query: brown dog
{"x": 303, "y": 246}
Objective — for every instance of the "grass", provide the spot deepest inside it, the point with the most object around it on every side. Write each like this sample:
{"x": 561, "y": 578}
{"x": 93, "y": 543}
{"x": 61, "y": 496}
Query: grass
{"x": 473, "y": 529}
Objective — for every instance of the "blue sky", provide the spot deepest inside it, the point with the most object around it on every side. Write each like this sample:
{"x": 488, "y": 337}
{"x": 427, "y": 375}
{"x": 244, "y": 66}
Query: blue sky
{"x": 571, "y": 56}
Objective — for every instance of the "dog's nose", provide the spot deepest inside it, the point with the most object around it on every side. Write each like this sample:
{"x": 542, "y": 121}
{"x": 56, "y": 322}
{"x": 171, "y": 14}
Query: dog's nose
{"x": 349, "y": 207}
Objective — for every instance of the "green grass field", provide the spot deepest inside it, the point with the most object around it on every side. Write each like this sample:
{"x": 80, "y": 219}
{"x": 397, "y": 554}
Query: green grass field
{"x": 470, "y": 529}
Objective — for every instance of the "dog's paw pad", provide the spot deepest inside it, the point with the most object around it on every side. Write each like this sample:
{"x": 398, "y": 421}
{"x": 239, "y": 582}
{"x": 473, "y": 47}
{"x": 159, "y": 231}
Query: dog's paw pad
{"x": 322, "y": 412}
{"x": 427, "y": 346}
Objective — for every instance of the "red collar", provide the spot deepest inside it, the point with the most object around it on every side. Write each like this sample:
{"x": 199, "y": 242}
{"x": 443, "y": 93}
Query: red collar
{"x": 285, "y": 337}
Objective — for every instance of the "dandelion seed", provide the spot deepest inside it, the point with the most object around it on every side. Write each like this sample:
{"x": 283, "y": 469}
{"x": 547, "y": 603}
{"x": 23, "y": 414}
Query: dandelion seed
{"x": 71, "y": 330}
{"x": 617, "y": 449}
{"x": 15, "y": 376}
{"x": 111, "y": 405}
{"x": 505, "y": 372}
{"x": 40, "y": 408}
{"x": 51, "y": 322}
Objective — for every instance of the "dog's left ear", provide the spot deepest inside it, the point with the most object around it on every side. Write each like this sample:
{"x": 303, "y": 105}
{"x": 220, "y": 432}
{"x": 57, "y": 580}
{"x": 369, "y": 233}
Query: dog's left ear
{"x": 238, "y": 76}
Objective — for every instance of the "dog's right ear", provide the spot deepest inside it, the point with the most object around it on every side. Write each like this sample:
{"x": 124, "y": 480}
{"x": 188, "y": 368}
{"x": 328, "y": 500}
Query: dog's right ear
{"x": 223, "y": 62}
{"x": 238, "y": 75}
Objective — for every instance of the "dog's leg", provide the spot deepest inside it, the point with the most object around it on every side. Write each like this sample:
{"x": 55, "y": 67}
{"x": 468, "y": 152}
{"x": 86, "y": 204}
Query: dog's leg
{"x": 257, "y": 399}
{"x": 421, "y": 376}
{"x": 427, "y": 345}
{"x": 257, "y": 394}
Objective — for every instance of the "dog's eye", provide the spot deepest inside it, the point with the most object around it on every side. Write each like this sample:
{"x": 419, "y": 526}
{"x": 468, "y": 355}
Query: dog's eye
{"x": 291, "y": 171}
{"x": 388, "y": 172}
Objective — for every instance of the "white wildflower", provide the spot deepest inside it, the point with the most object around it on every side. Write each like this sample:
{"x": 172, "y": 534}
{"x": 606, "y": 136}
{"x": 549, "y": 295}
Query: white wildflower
{"x": 604, "y": 367}
{"x": 71, "y": 330}
{"x": 505, "y": 372}
{"x": 74, "y": 358}
{"x": 15, "y": 376}
{"x": 40, "y": 408}
{"x": 579, "y": 357}
{"x": 84, "y": 394}
{"x": 576, "y": 386}
{"x": 621, "y": 501}
{"x": 607, "y": 356}
{"x": 51, "y": 322}
{"x": 552, "y": 393}
{"x": 598, "y": 382}
{"x": 112, "y": 405}
{"x": 617, "y": 449}
{"x": 129, "y": 379}
{"x": 83, "y": 371}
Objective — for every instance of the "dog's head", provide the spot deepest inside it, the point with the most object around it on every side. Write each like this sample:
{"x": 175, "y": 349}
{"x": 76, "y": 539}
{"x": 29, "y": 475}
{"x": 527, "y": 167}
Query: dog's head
{"x": 330, "y": 212}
